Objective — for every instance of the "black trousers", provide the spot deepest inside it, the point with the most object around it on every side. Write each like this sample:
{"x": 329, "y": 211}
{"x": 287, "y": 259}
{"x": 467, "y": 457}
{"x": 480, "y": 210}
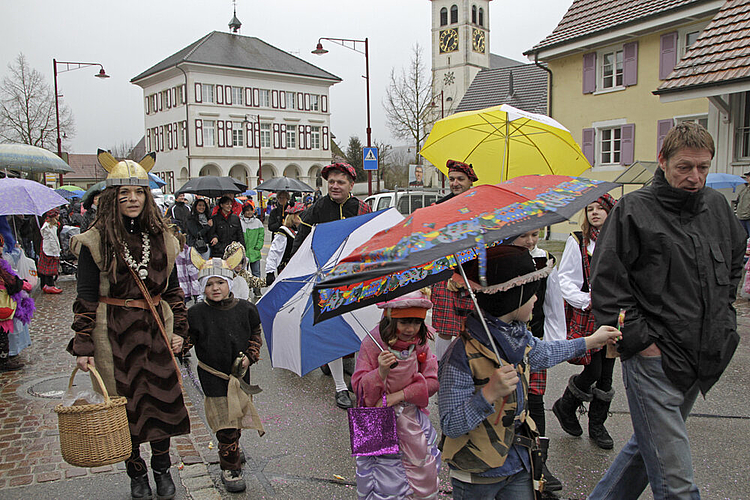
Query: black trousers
{"x": 598, "y": 372}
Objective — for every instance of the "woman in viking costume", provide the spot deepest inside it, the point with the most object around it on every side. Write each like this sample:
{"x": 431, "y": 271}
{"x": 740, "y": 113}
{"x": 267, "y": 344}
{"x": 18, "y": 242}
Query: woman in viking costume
{"x": 130, "y": 316}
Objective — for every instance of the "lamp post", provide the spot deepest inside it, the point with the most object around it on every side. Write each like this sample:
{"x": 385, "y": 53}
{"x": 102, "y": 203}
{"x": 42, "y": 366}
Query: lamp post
{"x": 69, "y": 66}
{"x": 319, "y": 50}
{"x": 442, "y": 115}
{"x": 260, "y": 162}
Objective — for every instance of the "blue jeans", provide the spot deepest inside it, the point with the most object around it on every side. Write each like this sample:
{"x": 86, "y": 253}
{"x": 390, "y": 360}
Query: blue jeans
{"x": 515, "y": 487}
{"x": 745, "y": 225}
{"x": 658, "y": 453}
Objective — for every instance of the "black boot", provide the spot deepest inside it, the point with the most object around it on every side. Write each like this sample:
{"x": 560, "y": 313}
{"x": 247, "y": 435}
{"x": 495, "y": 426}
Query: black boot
{"x": 598, "y": 412}
{"x": 553, "y": 484}
{"x": 164, "y": 485}
{"x": 565, "y": 408}
{"x": 139, "y": 487}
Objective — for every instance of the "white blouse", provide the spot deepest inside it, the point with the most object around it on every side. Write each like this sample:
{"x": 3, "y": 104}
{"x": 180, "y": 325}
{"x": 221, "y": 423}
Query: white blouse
{"x": 554, "y": 309}
{"x": 571, "y": 274}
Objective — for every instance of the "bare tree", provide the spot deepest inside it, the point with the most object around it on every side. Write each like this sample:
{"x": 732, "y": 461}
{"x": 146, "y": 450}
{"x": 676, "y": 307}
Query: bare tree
{"x": 27, "y": 108}
{"x": 123, "y": 150}
{"x": 408, "y": 99}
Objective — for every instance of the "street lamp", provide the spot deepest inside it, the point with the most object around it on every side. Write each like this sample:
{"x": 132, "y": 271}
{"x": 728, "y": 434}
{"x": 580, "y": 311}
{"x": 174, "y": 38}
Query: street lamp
{"x": 319, "y": 50}
{"x": 442, "y": 115}
{"x": 69, "y": 66}
{"x": 260, "y": 161}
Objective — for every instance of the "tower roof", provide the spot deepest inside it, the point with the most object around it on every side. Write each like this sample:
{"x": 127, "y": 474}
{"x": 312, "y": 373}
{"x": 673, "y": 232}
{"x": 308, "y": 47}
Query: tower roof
{"x": 235, "y": 24}
{"x": 242, "y": 52}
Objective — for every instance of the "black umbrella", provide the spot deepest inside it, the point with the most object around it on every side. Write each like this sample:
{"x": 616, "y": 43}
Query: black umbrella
{"x": 277, "y": 184}
{"x": 212, "y": 186}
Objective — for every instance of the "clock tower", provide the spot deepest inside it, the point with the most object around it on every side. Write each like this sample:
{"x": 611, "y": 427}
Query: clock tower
{"x": 460, "y": 47}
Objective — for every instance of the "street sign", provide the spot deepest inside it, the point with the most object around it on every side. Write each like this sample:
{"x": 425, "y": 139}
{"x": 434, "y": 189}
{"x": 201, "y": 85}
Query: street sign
{"x": 370, "y": 158}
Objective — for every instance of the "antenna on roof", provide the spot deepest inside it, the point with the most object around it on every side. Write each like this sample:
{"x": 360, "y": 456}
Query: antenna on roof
{"x": 235, "y": 24}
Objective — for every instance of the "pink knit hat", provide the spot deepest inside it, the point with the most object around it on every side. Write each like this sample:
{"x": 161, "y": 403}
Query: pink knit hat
{"x": 412, "y": 305}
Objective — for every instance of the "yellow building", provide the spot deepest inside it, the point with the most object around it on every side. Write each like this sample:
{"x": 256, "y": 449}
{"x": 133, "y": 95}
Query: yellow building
{"x": 606, "y": 59}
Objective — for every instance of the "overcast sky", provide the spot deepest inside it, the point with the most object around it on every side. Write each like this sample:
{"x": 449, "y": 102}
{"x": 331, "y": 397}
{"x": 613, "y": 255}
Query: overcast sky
{"x": 130, "y": 36}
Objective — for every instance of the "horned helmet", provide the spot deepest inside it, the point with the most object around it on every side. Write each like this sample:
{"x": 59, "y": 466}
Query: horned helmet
{"x": 126, "y": 172}
{"x": 216, "y": 266}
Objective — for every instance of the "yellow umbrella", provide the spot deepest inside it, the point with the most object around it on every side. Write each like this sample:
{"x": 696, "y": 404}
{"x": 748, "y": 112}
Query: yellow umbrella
{"x": 503, "y": 142}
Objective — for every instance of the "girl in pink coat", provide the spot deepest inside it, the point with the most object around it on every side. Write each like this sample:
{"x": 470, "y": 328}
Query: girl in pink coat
{"x": 403, "y": 334}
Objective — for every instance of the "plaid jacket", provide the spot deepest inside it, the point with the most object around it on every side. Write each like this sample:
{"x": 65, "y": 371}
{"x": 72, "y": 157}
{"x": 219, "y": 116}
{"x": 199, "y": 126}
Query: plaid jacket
{"x": 449, "y": 309}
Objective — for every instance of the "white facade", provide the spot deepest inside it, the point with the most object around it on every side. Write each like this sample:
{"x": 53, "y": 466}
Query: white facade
{"x": 215, "y": 120}
{"x": 460, "y": 47}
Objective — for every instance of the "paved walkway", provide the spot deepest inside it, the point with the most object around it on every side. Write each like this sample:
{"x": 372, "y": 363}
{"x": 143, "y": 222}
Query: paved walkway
{"x": 305, "y": 451}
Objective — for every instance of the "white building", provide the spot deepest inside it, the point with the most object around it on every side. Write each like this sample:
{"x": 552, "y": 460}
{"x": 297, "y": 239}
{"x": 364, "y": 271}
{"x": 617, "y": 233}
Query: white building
{"x": 214, "y": 106}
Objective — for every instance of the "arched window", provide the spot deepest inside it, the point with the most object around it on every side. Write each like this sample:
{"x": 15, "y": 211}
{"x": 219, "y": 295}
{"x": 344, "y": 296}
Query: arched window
{"x": 481, "y": 16}
{"x": 443, "y": 16}
{"x": 454, "y": 14}
{"x": 474, "y": 14}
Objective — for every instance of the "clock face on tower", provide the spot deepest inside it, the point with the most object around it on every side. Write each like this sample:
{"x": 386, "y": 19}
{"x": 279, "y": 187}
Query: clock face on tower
{"x": 478, "y": 40}
{"x": 449, "y": 40}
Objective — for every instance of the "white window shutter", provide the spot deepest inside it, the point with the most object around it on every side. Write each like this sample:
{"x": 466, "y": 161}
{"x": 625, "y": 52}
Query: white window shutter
{"x": 324, "y": 103}
{"x": 228, "y": 95}
{"x": 198, "y": 93}
{"x": 248, "y": 96}
{"x": 229, "y": 133}
{"x": 219, "y": 94}
{"x": 220, "y": 132}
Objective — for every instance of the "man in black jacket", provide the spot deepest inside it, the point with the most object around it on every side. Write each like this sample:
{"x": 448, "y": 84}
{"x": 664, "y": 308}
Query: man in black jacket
{"x": 338, "y": 204}
{"x": 179, "y": 212}
{"x": 669, "y": 255}
{"x": 226, "y": 228}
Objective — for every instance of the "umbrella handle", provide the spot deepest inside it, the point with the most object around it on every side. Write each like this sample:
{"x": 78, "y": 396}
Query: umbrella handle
{"x": 395, "y": 363}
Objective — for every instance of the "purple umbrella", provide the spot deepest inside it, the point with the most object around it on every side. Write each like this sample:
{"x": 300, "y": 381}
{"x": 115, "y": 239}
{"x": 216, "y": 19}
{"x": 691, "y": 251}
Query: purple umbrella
{"x": 25, "y": 197}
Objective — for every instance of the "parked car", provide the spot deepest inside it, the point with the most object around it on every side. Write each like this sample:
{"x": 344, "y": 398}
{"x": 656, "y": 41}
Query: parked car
{"x": 405, "y": 201}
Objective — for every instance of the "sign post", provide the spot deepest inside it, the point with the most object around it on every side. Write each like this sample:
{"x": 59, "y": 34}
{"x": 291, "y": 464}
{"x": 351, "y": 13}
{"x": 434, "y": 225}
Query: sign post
{"x": 369, "y": 163}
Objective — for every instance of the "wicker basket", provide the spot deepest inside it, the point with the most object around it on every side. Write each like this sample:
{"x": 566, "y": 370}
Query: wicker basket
{"x": 93, "y": 435}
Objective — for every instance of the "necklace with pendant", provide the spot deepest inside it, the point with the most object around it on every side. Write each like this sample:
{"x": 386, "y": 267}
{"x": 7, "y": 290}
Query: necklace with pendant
{"x": 140, "y": 267}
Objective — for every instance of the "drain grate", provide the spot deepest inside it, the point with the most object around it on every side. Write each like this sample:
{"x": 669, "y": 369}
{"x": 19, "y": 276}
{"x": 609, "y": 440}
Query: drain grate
{"x": 48, "y": 388}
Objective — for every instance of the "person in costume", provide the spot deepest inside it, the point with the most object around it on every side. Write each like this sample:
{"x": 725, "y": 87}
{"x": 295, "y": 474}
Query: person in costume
{"x": 226, "y": 334}
{"x": 337, "y": 204}
{"x": 187, "y": 274}
{"x": 126, "y": 261}
{"x": 49, "y": 260}
{"x": 281, "y": 246}
{"x": 243, "y": 281}
{"x": 450, "y": 300}
{"x": 489, "y": 443}
{"x": 547, "y": 323}
{"x": 254, "y": 233}
{"x": 16, "y": 311}
{"x": 402, "y": 335}
{"x": 594, "y": 383}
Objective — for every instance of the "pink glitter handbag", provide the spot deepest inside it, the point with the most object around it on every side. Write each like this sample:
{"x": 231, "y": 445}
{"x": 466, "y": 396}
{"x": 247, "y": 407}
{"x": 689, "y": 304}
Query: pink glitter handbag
{"x": 372, "y": 431}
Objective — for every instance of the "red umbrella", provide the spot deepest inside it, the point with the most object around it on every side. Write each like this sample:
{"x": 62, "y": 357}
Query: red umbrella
{"x": 425, "y": 247}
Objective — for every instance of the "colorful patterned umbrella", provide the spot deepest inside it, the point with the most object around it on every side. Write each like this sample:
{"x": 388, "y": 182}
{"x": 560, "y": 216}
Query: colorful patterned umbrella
{"x": 25, "y": 197}
{"x": 425, "y": 247}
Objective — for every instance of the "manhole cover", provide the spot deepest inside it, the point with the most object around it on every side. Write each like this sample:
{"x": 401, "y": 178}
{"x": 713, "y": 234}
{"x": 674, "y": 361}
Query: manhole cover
{"x": 50, "y": 388}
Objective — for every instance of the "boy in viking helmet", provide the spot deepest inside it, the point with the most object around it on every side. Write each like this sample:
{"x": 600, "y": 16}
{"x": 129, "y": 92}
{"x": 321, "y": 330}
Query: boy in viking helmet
{"x": 129, "y": 316}
{"x": 226, "y": 334}
{"x": 490, "y": 444}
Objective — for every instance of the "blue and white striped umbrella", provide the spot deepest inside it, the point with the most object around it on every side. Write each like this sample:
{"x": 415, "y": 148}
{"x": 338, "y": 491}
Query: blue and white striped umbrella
{"x": 286, "y": 310}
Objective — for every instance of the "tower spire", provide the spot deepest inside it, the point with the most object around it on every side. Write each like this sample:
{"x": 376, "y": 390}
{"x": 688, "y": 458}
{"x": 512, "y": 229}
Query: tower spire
{"x": 235, "y": 24}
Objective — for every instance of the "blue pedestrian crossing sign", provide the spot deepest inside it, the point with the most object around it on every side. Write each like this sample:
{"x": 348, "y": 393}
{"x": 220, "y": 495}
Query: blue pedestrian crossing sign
{"x": 370, "y": 158}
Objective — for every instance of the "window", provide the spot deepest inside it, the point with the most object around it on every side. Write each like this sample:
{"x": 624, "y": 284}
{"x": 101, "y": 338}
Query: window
{"x": 166, "y": 98}
{"x": 610, "y": 145}
{"x": 209, "y": 132}
{"x": 265, "y": 134}
{"x": 454, "y": 14}
{"x": 178, "y": 96}
{"x": 207, "y": 92}
{"x": 237, "y": 94}
{"x": 291, "y": 100}
{"x": 481, "y": 16}
{"x": 612, "y": 69}
{"x": 474, "y": 14}
{"x": 264, "y": 97}
{"x": 315, "y": 137}
{"x": 443, "y": 16}
{"x": 238, "y": 133}
{"x": 314, "y": 100}
{"x": 183, "y": 133}
{"x": 743, "y": 130}
{"x": 699, "y": 119}
{"x": 291, "y": 136}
